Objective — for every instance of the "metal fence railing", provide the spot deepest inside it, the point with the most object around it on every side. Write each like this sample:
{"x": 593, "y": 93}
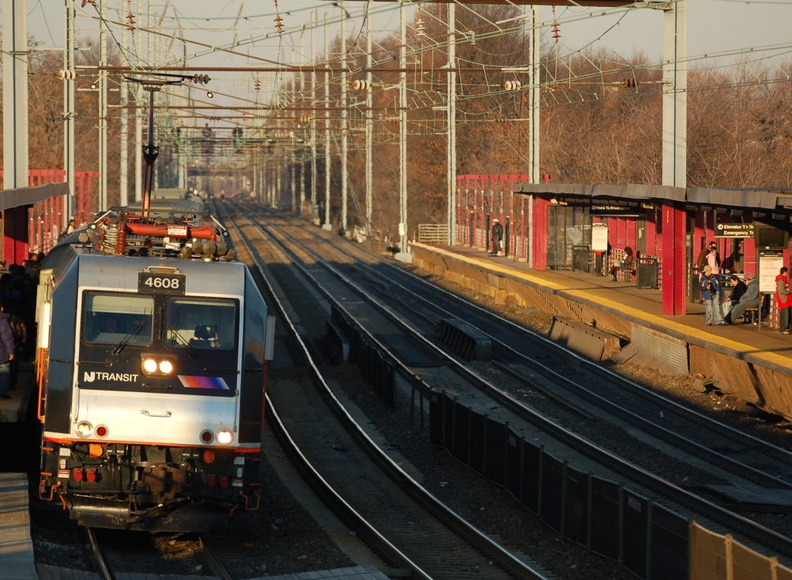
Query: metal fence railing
{"x": 433, "y": 233}
{"x": 604, "y": 516}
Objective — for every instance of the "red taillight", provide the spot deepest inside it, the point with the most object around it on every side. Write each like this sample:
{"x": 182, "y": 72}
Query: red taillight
{"x": 211, "y": 480}
{"x": 207, "y": 436}
{"x": 101, "y": 431}
{"x": 91, "y": 475}
{"x": 78, "y": 474}
{"x": 224, "y": 481}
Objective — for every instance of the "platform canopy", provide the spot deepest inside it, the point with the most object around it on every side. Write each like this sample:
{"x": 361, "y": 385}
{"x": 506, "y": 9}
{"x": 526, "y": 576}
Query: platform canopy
{"x": 633, "y": 191}
{"x": 744, "y": 198}
{"x": 20, "y": 196}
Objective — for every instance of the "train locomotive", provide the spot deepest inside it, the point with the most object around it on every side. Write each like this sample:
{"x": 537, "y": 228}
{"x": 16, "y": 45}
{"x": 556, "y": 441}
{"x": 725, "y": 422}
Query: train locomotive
{"x": 152, "y": 356}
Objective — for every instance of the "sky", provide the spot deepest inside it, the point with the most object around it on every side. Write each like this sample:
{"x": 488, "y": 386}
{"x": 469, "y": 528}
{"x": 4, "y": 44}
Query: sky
{"x": 715, "y": 26}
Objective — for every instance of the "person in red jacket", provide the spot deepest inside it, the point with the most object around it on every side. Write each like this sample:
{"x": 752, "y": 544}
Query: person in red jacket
{"x": 783, "y": 300}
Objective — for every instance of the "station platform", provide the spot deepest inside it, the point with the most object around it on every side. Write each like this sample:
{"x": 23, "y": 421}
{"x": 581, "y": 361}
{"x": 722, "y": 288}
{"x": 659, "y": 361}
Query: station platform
{"x": 752, "y": 361}
{"x": 16, "y": 409}
{"x": 17, "y": 561}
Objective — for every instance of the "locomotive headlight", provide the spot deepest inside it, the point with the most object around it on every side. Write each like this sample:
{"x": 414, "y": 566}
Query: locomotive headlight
{"x": 84, "y": 429}
{"x": 225, "y": 437}
{"x": 149, "y": 365}
{"x": 157, "y": 366}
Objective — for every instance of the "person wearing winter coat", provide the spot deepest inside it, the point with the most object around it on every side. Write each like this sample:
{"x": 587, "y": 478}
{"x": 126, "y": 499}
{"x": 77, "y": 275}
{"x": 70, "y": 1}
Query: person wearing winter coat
{"x": 713, "y": 260}
{"x": 739, "y": 288}
{"x": 750, "y": 299}
{"x": 627, "y": 264}
{"x": 710, "y": 291}
{"x": 783, "y": 300}
{"x": 7, "y": 354}
{"x": 497, "y": 236}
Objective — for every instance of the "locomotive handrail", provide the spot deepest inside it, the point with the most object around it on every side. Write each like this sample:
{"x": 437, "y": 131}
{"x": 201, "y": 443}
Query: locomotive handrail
{"x": 164, "y": 415}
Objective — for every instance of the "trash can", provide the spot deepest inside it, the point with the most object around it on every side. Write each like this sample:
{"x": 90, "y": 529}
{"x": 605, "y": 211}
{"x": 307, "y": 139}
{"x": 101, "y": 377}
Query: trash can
{"x": 647, "y": 272}
{"x": 580, "y": 258}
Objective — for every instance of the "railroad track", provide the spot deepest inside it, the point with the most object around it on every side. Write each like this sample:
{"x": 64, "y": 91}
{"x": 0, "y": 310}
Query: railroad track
{"x": 524, "y": 354}
{"x": 748, "y": 464}
{"x": 740, "y": 457}
{"x": 117, "y": 554}
{"x": 404, "y": 524}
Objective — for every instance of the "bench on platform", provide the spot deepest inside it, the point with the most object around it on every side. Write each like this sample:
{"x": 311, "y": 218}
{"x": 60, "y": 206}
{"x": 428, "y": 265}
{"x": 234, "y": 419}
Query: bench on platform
{"x": 751, "y": 315}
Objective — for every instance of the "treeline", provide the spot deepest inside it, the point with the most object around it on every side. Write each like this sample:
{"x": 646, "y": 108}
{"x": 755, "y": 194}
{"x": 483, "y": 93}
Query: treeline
{"x": 46, "y": 116}
{"x": 601, "y": 117}
{"x": 600, "y": 122}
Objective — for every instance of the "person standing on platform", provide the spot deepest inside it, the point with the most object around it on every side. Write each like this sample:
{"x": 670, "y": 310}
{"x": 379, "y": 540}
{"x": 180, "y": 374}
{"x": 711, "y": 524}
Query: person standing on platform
{"x": 6, "y": 355}
{"x": 497, "y": 236}
{"x": 710, "y": 292}
{"x": 701, "y": 260}
{"x": 713, "y": 259}
{"x": 783, "y": 300}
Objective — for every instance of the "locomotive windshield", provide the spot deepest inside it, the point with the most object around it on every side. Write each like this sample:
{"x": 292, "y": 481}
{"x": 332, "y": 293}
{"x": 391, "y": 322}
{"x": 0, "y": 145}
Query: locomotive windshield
{"x": 117, "y": 318}
{"x": 128, "y": 319}
{"x": 201, "y": 324}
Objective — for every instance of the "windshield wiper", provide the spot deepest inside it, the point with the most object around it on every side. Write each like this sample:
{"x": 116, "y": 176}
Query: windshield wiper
{"x": 185, "y": 343}
{"x": 124, "y": 341}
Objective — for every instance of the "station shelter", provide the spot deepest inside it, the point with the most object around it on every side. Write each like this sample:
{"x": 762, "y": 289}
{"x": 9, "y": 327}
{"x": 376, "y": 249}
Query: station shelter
{"x": 589, "y": 227}
{"x": 33, "y": 217}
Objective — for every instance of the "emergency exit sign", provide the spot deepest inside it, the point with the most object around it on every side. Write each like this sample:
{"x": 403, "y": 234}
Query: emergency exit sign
{"x": 734, "y": 230}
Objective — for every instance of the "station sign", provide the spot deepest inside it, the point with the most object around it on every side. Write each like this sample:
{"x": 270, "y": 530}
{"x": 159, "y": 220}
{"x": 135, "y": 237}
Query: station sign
{"x": 770, "y": 263}
{"x": 599, "y": 237}
{"x": 603, "y": 209}
{"x": 734, "y": 230}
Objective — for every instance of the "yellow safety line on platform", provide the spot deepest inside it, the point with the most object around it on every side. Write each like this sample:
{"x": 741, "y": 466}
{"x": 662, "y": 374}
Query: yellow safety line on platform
{"x": 666, "y": 322}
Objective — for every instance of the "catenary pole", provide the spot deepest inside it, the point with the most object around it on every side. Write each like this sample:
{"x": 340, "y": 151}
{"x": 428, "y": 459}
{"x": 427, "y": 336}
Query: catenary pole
{"x": 369, "y": 130}
{"x": 102, "y": 109}
{"x": 68, "y": 105}
{"x": 328, "y": 160}
{"x": 344, "y": 123}
{"x": 451, "y": 121}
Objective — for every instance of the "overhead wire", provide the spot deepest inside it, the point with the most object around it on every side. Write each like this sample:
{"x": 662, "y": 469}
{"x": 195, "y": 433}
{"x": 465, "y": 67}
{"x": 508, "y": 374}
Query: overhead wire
{"x": 201, "y": 49}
